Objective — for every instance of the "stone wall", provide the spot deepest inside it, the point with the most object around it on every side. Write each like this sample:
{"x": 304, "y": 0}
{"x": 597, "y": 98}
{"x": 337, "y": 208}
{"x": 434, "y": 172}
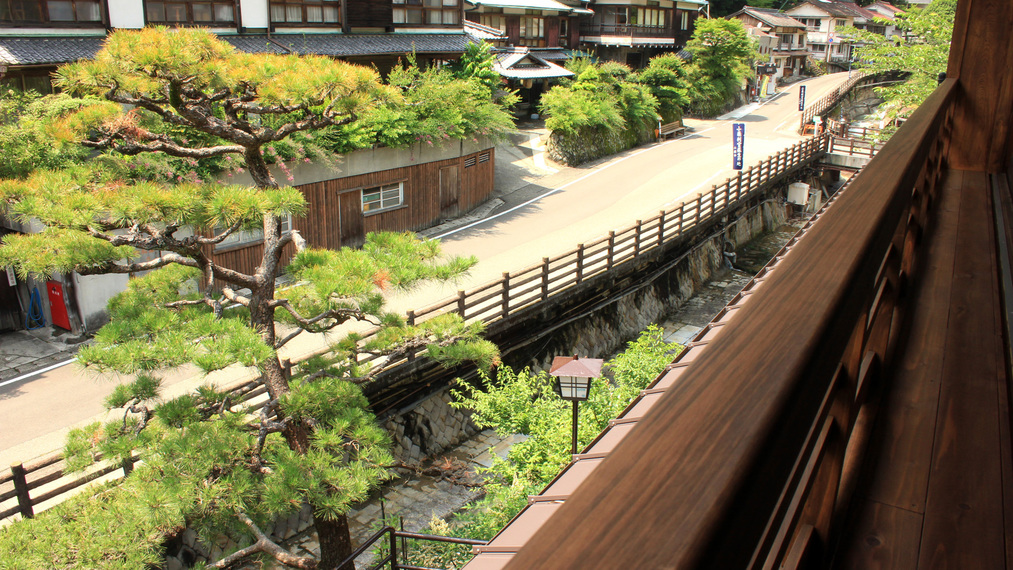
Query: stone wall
{"x": 612, "y": 326}
{"x": 428, "y": 427}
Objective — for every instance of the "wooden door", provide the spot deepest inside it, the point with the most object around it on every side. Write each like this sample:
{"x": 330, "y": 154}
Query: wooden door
{"x": 350, "y": 219}
{"x": 10, "y": 309}
{"x": 450, "y": 192}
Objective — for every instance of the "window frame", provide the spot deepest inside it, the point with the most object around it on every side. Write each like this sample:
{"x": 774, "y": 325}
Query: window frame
{"x": 380, "y": 190}
{"x": 190, "y": 21}
{"x": 450, "y": 13}
{"x": 304, "y": 6}
{"x": 45, "y": 18}
{"x": 526, "y": 22}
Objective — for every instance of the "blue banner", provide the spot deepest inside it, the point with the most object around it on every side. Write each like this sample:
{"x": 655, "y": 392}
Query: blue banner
{"x": 738, "y": 143}
{"x": 801, "y": 98}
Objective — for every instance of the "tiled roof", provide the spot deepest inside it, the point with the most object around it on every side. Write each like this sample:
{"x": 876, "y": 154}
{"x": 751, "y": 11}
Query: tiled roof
{"x": 254, "y": 44}
{"x": 842, "y": 9}
{"x": 57, "y": 50}
{"x": 480, "y": 32}
{"x": 772, "y": 18}
{"x": 339, "y": 45}
{"x": 520, "y": 63}
{"x": 48, "y": 50}
{"x": 524, "y": 4}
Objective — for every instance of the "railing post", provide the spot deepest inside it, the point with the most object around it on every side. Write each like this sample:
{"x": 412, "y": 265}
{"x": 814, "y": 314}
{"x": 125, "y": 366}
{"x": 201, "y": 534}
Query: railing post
{"x": 460, "y": 304}
{"x": 21, "y": 488}
{"x": 580, "y": 262}
{"x": 610, "y": 256}
{"x": 636, "y": 238}
{"x": 545, "y": 278}
{"x": 661, "y": 228}
{"x": 699, "y": 205}
{"x": 682, "y": 213}
{"x": 506, "y": 293}
{"x": 128, "y": 465}
{"x": 410, "y": 320}
{"x": 393, "y": 550}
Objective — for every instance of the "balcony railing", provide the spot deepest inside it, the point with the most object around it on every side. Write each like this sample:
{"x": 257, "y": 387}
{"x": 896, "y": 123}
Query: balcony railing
{"x": 746, "y": 462}
{"x": 627, "y": 31}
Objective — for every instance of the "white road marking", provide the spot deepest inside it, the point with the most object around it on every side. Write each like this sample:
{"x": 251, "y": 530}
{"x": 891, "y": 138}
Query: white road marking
{"x": 36, "y": 373}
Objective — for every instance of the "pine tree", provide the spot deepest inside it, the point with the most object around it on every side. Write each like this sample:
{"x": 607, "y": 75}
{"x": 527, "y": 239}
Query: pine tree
{"x": 208, "y": 463}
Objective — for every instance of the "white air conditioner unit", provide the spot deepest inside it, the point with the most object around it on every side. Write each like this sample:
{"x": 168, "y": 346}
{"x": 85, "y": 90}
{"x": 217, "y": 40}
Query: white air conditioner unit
{"x": 798, "y": 193}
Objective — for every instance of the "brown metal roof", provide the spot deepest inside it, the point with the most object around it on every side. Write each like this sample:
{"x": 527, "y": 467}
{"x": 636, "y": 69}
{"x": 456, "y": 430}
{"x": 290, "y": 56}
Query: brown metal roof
{"x": 525, "y": 525}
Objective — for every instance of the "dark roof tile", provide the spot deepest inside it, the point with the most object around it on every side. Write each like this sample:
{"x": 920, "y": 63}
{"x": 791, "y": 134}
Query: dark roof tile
{"x": 48, "y": 50}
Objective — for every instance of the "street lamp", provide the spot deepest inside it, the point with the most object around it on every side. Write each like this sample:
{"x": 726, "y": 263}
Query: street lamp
{"x": 573, "y": 382}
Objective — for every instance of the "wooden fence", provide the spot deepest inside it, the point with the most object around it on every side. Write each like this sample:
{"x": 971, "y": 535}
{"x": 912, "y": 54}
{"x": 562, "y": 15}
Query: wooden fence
{"x": 488, "y": 303}
{"x": 828, "y": 101}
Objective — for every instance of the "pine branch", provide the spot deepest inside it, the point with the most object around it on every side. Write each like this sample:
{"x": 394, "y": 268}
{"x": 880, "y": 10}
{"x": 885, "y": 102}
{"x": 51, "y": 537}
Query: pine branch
{"x": 230, "y": 294}
{"x": 267, "y": 546}
{"x": 113, "y": 267}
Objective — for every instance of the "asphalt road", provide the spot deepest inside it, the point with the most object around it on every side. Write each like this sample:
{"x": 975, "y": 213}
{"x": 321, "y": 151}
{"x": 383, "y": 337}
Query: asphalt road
{"x": 571, "y": 206}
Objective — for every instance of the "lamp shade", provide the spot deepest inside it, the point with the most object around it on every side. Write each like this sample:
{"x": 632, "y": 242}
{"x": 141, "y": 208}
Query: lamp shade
{"x": 574, "y": 375}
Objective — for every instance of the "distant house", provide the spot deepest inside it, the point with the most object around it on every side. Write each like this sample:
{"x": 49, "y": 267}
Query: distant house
{"x": 827, "y": 23}
{"x": 886, "y": 11}
{"x": 633, "y": 31}
{"x": 781, "y": 38}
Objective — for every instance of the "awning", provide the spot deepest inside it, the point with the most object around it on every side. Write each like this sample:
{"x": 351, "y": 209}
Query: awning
{"x": 526, "y": 4}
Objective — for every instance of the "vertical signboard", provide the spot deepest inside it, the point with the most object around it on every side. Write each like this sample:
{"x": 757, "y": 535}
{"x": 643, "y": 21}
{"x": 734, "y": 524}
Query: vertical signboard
{"x": 738, "y": 141}
{"x": 801, "y": 98}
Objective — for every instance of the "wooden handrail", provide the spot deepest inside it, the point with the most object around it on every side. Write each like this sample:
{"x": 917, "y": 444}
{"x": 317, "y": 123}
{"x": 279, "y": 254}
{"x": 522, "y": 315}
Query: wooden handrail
{"x": 737, "y": 466}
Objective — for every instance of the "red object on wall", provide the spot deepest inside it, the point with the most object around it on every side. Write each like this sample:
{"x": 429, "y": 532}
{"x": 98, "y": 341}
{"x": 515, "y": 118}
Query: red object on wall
{"x": 57, "y": 306}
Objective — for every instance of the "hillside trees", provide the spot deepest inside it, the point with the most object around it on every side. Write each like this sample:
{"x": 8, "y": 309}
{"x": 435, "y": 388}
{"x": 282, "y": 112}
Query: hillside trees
{"x": 722, "y": 56}
{"x": 922, "y": 51}
{"x": 208, "y": 464}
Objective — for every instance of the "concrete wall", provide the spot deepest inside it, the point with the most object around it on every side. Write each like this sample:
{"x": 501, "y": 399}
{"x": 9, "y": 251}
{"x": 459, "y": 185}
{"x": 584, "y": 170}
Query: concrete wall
{"x": 369, "y": 160}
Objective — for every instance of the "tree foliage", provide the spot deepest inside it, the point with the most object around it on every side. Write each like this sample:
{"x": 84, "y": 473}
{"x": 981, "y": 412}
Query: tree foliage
{"x": 524, "y": 403}
{"x": 208, "y": 463}
{"x": 723, "y": 53}
{"x": 667, "y": 79}
{"x": 922, "y": 51}
{"x": 23, "y": 134}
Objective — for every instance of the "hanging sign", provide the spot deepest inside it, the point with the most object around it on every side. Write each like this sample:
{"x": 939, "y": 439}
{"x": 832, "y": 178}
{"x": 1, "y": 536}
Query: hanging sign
{"x": 738, "y": 142}
{"x": 10, "y": 277}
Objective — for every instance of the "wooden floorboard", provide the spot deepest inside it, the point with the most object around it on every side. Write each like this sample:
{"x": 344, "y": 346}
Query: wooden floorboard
{"x": 886, "y": 538}
{"x": 891, "y": 500}
{"x": 964, "y": 520}
{"x": 937, "y": 471}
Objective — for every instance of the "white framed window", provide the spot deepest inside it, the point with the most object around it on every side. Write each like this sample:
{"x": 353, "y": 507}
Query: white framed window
{"x": 684, "y": 21}
{"x": 245, "y": 237}
{"x": 379, "y": 198}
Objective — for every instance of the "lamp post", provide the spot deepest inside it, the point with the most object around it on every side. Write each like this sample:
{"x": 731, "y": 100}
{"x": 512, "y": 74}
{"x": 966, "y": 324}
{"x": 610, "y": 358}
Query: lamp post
{"x": 573, "y": 382}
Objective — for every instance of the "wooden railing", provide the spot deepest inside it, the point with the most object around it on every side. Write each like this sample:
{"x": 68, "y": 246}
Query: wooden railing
{"x": 827, "y": 102}
{"x": 489, "y": 303}
{"x": 750, "y": 460}
{"x": 626, "y": 30}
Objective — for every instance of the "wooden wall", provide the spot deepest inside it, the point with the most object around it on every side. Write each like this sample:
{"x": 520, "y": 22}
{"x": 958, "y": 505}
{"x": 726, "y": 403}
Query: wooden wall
{"x": 368, "y": 14}
{"x": 334, "y": 215}
{"x": 981, "y": 54}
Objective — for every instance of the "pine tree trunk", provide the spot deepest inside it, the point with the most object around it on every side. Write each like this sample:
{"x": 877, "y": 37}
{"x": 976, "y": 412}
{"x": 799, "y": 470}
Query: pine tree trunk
{"x": 333, "y": 535}
{"x": 335, "y": 543}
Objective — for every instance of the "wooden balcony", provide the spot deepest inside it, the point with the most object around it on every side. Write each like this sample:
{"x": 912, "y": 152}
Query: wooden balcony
{"x": 632, "y": 35}
{"x": 855, "y": 413}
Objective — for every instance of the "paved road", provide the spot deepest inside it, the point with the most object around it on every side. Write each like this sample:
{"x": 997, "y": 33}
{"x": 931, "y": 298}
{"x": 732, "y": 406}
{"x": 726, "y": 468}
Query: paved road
{"x": 571, "y": 206}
